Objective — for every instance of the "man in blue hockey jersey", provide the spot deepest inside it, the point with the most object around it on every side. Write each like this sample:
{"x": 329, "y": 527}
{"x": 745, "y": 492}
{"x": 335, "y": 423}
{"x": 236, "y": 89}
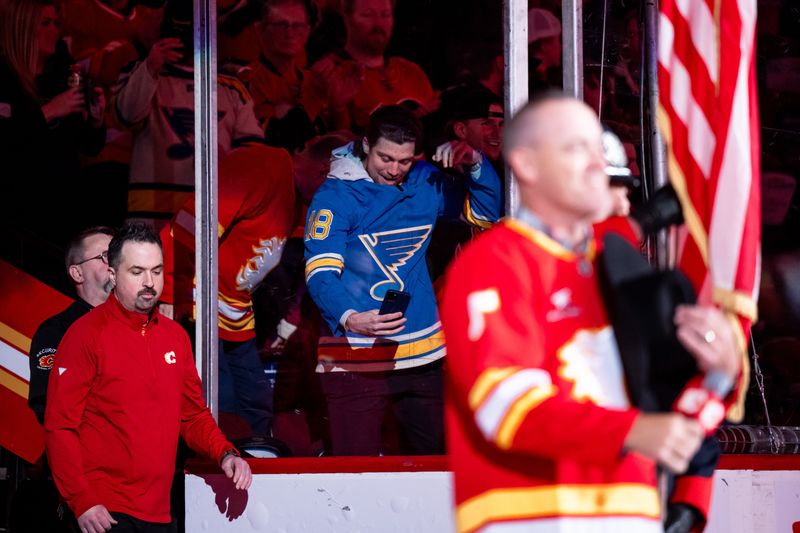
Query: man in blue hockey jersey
{"x": 367, "y": 232}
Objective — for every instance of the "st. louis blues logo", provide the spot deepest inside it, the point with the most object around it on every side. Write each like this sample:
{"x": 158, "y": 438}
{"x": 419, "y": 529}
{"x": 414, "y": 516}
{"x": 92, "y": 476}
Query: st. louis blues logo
{"x": 391, "y": 250}
{"x": 181, "y": 120}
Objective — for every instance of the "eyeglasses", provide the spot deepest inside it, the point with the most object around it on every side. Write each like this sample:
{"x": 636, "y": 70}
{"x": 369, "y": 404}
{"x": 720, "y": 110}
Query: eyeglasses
{"x": 286, "y": 26}
{"x": 102, "y": 257}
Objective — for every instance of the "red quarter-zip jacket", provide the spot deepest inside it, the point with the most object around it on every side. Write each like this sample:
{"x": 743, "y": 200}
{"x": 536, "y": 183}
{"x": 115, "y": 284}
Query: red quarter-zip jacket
{"x": 123, "y": 387}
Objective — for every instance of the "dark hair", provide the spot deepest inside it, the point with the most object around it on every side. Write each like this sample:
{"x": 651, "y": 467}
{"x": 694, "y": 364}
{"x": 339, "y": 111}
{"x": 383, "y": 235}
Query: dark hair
{"x": 133, "y": 232}
{"x": 74, "y": 252}
{"x": 312, "y": 12}
{"x": 321, "y": 147}
{"x": 394, "y": 123}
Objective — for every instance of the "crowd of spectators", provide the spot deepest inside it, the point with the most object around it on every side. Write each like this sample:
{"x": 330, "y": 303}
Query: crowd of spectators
{"x": 96, "y": 100}
{"x": 393, "y": 110}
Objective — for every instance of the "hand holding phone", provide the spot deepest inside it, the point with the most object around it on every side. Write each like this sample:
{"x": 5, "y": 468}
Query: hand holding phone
{"x": 395, "y": 302}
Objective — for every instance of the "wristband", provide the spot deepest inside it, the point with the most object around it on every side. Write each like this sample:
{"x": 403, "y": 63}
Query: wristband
{"x": 232, "y": 452}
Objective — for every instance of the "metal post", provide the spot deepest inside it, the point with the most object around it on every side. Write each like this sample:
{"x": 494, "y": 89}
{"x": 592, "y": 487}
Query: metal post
{"x": 205, "y": 178}
{"x": 572, "y": 47}
{"x": 658, "y": 153}
{"x": 515, "y": 93}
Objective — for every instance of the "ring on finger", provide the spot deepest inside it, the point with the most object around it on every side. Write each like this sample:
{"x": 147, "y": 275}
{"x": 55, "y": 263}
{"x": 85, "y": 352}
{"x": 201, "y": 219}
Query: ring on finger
{"x": 710, "y": 336}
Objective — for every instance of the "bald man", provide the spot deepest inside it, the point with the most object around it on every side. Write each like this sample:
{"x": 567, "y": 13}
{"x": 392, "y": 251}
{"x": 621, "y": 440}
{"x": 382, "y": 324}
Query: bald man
{"x": 540, "y": 429}
{"x": 87, "y": 267}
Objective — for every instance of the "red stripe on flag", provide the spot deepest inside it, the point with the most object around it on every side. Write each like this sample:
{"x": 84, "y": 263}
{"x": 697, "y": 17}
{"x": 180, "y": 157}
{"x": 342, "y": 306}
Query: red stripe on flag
{"x": 730, "y": 27}
{"x": 748, "y": 274}
{"x": 702, "y": 86}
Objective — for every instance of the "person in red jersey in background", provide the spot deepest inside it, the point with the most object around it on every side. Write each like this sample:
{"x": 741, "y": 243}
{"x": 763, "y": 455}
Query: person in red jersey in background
{"x": 256, "y": 215}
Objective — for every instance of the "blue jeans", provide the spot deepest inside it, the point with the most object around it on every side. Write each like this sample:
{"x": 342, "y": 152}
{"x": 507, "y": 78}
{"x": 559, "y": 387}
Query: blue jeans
{"x": 244, "y": 388}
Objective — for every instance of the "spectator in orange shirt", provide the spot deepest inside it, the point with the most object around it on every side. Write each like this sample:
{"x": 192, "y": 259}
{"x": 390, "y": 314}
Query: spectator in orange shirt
{"x": 383, "y": 80}
{"x": 288, "y": 98}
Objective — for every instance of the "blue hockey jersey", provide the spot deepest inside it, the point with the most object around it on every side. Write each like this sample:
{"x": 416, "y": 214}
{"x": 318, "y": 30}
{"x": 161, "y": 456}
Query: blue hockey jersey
{"x": 363, "y": 238}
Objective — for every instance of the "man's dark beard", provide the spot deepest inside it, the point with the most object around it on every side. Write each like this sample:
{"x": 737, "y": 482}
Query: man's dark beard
{"x": 371, "y": 43}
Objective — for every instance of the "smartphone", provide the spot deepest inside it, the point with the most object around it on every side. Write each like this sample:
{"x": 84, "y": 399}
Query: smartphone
{"x": 89, "y": 96}
{"x": 394, "y": 302}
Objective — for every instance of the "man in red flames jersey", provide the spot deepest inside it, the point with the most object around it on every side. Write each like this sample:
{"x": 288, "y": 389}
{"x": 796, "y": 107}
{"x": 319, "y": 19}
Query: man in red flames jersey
{"x": 541, "y": 432}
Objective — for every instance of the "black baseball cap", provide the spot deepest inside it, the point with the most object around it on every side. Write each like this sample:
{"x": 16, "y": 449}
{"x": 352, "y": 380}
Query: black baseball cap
{"x": 468, "y": 101}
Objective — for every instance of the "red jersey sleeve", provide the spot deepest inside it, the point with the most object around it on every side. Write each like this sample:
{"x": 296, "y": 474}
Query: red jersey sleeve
{"x": 68, "y": 390}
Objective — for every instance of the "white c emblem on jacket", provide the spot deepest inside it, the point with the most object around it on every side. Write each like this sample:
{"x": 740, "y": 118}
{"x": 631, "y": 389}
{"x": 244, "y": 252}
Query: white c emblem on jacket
{"x": 169, "y": 357}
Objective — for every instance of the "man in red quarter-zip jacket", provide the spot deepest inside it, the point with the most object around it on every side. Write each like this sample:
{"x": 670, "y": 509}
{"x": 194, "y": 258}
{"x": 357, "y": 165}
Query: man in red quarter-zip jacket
{"x": 123, "y": 388}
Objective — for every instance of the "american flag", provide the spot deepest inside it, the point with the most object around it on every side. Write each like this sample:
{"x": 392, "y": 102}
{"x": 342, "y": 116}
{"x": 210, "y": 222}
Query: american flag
{"x": 708, "y": 112}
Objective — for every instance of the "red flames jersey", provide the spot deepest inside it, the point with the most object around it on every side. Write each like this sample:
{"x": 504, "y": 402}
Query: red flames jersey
{"x": 537, "y": 411}
{"x": 256, "y": 215}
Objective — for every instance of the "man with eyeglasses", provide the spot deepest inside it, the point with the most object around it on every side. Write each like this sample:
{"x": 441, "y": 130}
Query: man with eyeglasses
{"x": 290, "y": 100}
{"x": 125, "y": 390}
{"x": 87, "y": 267}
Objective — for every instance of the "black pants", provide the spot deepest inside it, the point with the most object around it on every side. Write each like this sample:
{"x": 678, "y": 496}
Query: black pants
{"x": 128, "y": 524}
{"x": 244, "y": 388}
{"x": 357, "y": 404}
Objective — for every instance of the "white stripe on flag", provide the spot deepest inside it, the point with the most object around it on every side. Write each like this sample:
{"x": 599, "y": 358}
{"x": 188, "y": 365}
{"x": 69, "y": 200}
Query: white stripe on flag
{"x": 701, "y": 21}
{"x": 666, "y": 40}
{"x": 735, "y": 178}
{"x": 701, "y": 137}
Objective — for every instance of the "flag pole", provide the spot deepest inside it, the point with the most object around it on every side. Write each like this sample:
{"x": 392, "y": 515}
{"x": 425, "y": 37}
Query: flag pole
{"x": 515, "y": 90}
{"x": 572, "y": 47}
{"x": 658, "y": 151}
{"x": 206, "y": 221}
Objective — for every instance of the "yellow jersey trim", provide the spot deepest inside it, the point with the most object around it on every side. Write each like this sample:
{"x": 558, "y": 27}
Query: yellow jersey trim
{"x": 324, "y": 262}
{"x": 471, "y": 218}
{"x": 486, "y": 382}
{"x": 518, "y": 411}
{"x": 622, "y": 499}
{"x": 548, "y": 244}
